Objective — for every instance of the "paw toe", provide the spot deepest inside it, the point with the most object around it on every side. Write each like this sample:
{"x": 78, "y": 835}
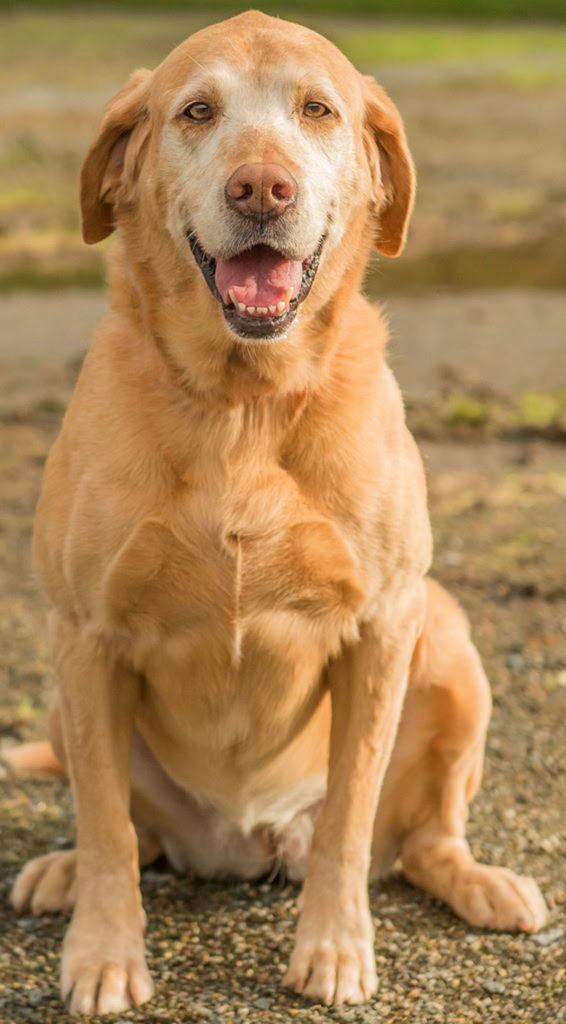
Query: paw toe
{"x": 332, "y": 976}
{"x": 46, "y": 885}
{"x": 499, "y": 899}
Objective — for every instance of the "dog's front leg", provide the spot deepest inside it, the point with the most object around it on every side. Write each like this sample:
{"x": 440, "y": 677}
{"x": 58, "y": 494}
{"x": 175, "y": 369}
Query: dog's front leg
{"x": 333, "y": 959}
{"x": 103, "y": 967}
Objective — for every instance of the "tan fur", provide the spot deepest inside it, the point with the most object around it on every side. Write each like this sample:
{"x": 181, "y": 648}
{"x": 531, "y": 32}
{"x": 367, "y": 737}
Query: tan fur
{"x": 235, "y": 540}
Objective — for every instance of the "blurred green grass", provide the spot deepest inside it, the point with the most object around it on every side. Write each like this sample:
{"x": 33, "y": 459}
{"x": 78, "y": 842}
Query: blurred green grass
{"x": 400, "y": 44}
{"x": 112, "y": 41}
{"x": 468, "y": 9}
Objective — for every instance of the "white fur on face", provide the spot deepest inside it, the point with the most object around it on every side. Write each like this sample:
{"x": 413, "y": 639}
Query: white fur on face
{"x": 259, "y": 121}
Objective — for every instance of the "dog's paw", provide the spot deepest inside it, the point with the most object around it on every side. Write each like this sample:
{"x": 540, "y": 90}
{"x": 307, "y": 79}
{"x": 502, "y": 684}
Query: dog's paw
{"x": 489, "y": 897}
{"x": 47, "y": 884}
{"x": 333, "y": 960}
{"x": 333, "y": 972}
{"x": 103, "y": 968}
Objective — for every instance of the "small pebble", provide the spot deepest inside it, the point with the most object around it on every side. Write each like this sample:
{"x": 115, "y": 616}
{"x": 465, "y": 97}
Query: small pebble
{"x": 548, "y": 937}
{"x": 493, "y": 987}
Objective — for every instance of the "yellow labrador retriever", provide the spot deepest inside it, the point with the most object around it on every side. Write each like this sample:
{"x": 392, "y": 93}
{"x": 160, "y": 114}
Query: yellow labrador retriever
{"x": 252, "y": 666}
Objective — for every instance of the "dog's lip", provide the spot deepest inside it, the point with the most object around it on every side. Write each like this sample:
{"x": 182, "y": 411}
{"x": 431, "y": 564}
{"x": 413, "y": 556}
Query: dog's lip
{"x": 247, "y": 326}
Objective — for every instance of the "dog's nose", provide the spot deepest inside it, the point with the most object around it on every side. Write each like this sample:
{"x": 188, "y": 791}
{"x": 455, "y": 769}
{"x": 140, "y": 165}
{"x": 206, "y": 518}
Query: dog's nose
{"x": 261, "y": 190}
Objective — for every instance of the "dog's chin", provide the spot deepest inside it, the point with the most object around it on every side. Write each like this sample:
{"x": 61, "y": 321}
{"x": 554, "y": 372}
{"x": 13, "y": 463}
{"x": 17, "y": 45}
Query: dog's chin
{"x": 266, "y": 327}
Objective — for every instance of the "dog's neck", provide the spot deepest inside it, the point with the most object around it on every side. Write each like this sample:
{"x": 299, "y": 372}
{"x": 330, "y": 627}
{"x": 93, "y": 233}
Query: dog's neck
{"x": 185, "y": 323}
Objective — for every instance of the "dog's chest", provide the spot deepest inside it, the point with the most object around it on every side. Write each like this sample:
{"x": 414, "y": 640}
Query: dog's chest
{"x": 243, "y": 561}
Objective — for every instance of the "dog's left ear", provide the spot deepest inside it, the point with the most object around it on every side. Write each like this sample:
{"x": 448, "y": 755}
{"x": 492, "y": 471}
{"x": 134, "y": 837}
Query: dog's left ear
{"x": 392, "y": 169}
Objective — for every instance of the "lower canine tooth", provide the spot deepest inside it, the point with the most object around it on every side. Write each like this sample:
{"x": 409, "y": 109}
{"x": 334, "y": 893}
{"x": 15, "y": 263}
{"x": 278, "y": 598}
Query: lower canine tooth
{"x": 232, "y": 297}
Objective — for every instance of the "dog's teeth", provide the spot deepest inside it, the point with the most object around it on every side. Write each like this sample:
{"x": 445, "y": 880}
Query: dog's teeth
{"x": 242, "y": 307}
{"x": 262, "y": 310}
{"x": 273, "y": 309}
{"x": 281, "y": 306}
{"x": 250, "y": 309}
{"x": 233, "y": 297}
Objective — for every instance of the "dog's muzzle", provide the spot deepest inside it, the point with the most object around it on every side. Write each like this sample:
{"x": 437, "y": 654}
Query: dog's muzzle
{"x": 260, "y": 289}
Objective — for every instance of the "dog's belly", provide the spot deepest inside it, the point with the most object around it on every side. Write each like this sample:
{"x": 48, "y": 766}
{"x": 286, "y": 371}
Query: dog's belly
{"x": 201, "y": 838}
{"x": 241, "y": 735}
{"x": 232, "y": 637}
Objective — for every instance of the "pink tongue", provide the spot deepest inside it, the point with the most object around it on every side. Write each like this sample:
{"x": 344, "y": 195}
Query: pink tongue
{"x": 259, "y": 277}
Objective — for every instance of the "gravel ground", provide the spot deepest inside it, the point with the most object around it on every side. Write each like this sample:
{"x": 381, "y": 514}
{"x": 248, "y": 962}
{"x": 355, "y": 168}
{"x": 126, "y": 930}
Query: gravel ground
{"x": 217, "y": 950}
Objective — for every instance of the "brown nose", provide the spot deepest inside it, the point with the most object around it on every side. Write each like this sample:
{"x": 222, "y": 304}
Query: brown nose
{"x": 261, "y": 190}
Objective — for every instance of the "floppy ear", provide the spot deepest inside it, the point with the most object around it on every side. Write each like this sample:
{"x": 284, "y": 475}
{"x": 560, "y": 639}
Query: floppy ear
{"x": 114, "y": 155}
{"x": 392, "y": 169}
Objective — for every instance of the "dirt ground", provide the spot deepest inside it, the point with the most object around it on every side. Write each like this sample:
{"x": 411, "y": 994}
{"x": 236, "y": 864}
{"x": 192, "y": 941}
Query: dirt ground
{"x": 217, "y": 950}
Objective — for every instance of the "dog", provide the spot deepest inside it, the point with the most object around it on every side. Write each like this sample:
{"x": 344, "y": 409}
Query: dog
{"x": 253, "y": 668}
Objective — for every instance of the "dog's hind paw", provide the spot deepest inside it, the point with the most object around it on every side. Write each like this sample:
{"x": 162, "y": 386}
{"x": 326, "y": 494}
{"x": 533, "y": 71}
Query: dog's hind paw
{"x": 490, "y": 897}
{"x": 47, "y": 884}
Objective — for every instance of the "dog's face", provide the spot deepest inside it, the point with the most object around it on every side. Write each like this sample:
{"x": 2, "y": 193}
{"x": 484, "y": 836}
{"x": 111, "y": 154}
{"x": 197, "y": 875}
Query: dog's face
{"x": 255, "y": 150}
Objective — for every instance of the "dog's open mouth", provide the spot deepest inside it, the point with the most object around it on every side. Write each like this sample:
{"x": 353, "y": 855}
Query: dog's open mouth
{"x": 260, "y": 289}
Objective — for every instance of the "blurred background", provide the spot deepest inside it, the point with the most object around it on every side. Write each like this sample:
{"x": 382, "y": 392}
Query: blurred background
{"x": 477, "y": 308}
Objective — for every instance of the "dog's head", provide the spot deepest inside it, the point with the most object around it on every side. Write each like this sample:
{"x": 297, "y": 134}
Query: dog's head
{"x": 258, "y": 154}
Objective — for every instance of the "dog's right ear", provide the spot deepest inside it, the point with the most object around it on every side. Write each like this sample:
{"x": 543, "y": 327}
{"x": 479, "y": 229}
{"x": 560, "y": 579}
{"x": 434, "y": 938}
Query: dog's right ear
{"x": 113, "y": 160}
{"x": 391, "y": 167}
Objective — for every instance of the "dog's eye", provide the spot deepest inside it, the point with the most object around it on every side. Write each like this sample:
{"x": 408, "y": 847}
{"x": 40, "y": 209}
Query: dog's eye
{"x": 198, "y": 112}
{"x": 316, "y": 110}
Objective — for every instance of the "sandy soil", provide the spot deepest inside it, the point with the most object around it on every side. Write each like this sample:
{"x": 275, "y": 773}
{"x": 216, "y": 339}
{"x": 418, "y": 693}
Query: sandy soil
{"x": 217, "y": 950}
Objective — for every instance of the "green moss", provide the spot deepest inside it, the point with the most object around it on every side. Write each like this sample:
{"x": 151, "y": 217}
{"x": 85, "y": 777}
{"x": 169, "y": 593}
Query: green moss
{"x": 21, "y": 196}
{"x": 466, "y": 410}
{"x": 472, "y": 415}
{"x": 524, "y": 546}
{"x": 542, "y": 410}
{"x": 516, "y": 204}
{"x": 25, "y": 711}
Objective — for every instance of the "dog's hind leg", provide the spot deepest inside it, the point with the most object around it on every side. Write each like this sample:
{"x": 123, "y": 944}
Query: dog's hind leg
{"x": 435, "y": 772}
